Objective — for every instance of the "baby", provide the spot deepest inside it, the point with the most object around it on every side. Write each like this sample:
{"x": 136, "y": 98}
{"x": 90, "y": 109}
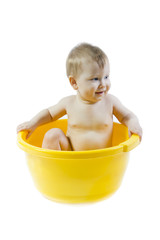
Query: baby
{"x": 90, "y": 112}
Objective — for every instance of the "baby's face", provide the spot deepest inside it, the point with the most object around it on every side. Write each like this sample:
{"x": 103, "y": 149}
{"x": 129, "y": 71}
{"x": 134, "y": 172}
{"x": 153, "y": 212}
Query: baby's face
{"x": 93, "y": 83}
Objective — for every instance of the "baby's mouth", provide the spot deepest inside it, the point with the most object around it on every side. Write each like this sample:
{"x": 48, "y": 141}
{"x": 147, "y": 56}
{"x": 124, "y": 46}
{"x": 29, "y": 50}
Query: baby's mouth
{"x": 100, "y": 92}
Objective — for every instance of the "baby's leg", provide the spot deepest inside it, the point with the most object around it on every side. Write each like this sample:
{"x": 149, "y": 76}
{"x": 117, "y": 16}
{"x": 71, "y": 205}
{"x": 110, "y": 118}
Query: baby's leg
{"x": 56, "y": 139}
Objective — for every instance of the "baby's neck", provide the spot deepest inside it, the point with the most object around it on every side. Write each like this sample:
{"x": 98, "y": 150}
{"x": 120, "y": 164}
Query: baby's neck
{"x": 84, "y": 101}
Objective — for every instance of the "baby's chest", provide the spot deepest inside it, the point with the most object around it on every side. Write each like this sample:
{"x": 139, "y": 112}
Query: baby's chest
{"x": 89, "y": 118}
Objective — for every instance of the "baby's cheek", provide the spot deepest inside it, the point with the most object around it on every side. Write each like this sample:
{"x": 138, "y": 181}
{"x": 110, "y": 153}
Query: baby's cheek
{"x": 92, "y": 91}
{"x": 108, "y": 86}
{"x": 89, "y": 90}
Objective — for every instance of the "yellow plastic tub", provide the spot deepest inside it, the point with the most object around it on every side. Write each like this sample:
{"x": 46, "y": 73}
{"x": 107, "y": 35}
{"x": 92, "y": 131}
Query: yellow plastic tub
{"x": 77, "y": 176}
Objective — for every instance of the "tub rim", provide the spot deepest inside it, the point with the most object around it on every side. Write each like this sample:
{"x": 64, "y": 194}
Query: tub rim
{"x": 125, "y": 146}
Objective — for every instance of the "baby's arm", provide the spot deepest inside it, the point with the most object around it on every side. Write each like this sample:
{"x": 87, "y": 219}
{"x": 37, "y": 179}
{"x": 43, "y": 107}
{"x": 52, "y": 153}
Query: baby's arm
{"x": 45, "y": 116}
{"x": 126, "y": 117}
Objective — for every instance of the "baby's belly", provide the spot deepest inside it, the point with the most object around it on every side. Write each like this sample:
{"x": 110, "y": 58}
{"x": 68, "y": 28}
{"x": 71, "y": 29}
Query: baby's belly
{"x": 89, "y": 139}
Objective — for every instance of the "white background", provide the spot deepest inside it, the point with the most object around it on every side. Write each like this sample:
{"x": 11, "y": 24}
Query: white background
{"x": 36, "y": 37}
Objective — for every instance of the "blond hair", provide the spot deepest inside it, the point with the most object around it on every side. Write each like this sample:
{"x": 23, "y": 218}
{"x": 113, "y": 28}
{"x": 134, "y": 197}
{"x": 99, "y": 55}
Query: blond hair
{"x": 81, "y": 51}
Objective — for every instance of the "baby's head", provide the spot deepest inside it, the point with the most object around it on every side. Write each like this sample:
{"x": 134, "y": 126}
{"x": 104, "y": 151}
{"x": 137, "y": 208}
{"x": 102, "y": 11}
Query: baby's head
{"x": 87, "y": 68}
{"x": 82, "y": 52}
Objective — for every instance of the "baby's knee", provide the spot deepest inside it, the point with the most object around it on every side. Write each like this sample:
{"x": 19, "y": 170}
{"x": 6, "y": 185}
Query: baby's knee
{"x": 53, "y": 134}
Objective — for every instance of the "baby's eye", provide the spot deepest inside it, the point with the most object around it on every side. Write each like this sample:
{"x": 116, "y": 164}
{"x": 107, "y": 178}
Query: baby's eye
{"x": 106, "y": 77}
{"x": 95, "y": 79}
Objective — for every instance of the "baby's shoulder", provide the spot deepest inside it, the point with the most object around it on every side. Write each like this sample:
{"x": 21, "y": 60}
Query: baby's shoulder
{"x": 68, "y": 100}
{"x": 111, "y": 98}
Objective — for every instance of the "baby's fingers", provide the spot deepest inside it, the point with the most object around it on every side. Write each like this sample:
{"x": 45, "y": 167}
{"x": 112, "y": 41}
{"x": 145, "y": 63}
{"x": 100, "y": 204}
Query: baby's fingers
{"x": 29, "y": 134}
{"x": 138, "y": 132}
{"x": 23, "y": 126}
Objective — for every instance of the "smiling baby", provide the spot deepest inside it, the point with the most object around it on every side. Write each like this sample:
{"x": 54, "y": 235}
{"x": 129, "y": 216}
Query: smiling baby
{"x": 90, "y": 112}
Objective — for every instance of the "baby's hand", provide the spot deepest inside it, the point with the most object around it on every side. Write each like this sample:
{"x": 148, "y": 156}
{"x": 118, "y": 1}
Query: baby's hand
{"x": 29, "y": 126}
{"x": 134, "y": 127}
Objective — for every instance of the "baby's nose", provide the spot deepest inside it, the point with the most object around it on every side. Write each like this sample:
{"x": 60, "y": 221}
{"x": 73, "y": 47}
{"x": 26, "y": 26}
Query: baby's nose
{"x": 102, "y": 82}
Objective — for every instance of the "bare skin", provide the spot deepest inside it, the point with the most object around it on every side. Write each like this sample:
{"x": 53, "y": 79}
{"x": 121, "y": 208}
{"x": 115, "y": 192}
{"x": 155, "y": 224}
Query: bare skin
{"x": 90, "y": 113}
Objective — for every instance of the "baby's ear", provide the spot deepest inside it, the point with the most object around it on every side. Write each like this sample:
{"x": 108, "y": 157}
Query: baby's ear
{"x": 73, "y": 82}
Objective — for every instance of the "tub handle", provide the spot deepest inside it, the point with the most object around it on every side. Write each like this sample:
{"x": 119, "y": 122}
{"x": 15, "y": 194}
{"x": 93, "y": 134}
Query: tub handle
{"x": 131, "y": 143}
